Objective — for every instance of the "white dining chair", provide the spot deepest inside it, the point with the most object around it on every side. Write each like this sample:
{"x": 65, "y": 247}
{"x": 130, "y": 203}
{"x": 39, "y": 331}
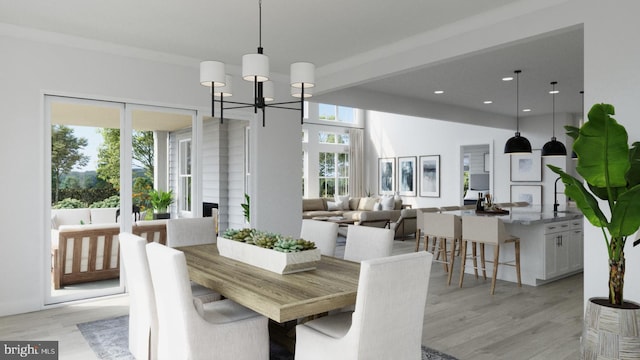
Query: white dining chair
{"x": 388, "y": 318}
{"x": 143, "y": 320}
{"x": 365, "y": 242}
{"x": 192, "y": 231}
{"x": 216, "y": 330}
{"x": 323, "y": 233}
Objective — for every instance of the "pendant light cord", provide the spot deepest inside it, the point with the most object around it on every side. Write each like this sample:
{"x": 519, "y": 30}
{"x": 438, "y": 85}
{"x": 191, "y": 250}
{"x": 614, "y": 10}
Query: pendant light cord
{"x": 517, "y": 100}
{"x": 553, "y": 93}
{"x": 260, "y": 24}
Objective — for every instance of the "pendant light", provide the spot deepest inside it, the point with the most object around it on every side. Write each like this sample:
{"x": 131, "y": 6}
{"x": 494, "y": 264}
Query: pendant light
{"x": 517, "y": 144}
{"x": 554, "y": 147}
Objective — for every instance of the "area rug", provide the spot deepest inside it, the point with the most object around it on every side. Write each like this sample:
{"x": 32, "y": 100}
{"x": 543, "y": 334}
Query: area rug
{"x": 109, "y": 340}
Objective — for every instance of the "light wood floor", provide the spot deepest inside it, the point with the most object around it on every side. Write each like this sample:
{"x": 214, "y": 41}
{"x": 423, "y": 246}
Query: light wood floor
{"x": 541, "y": 322}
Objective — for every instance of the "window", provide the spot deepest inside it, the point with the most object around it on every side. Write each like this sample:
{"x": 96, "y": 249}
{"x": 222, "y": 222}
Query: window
{"x": 336, "y": 113}
{"x": 333, "y": 174}
{"x": 184, "y": 185}
{"x": 333, "y": 138}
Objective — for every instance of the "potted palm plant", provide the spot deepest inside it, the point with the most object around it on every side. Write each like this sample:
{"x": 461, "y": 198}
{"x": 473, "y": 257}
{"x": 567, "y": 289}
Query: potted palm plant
{"x": 160, "y": 201}
{"x": 611, "y": 170}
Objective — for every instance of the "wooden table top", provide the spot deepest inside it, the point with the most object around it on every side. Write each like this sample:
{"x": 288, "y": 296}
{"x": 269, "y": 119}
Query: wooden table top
{"x": 332, "y": 285}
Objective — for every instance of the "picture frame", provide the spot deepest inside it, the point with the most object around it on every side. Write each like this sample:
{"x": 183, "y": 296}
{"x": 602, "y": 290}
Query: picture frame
{"x": 430, "y": 175}
{"x": 526, "y": 167}
{"x": 529, "y": 193}
{"x": 407, "y": 176}
{"x": 386, "y": 176}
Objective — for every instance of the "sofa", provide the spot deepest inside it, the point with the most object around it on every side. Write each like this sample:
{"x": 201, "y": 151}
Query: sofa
{"x": 85, "y": 247}
{"x": 366, "y": 211}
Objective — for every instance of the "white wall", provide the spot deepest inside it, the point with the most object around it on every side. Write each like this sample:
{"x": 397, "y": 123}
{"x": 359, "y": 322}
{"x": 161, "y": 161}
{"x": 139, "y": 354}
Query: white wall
{"x": 388, "y": 135}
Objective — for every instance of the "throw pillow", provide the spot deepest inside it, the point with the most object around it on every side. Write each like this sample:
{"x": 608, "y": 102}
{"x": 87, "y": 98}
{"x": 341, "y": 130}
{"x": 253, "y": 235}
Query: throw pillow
{"x": 343, "y": 201}
{"x": 387, "y": 202}
{"x": 367, "y": 203}
{"x": 377, "y": 206}
{"x": 332, "y": 206}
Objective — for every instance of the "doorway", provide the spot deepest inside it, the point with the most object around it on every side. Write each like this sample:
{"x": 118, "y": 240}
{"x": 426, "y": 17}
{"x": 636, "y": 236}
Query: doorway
{"x": 476, "y": 171}
{"x": 103, "y": 156}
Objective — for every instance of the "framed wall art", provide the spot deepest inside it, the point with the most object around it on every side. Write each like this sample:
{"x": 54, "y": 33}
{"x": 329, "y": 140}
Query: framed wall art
{"x": 526, "y": 167}
{"x": 430, "y": 175}
{"x": 407, "y": 176}
{"x": 529, "y": 193}
{"x": 386, "y": 176}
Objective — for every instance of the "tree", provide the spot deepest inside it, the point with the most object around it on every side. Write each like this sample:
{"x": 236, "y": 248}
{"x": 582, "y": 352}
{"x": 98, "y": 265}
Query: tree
{"x": 65, "y": 154}
{"x": 109, "y": 154}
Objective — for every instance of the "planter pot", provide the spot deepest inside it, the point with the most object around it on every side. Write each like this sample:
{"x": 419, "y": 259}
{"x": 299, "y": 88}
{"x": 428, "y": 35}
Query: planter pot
{"x": 157, "y": 216}
{"x": 268, "y": 259}
{"x": 611, "y": 332}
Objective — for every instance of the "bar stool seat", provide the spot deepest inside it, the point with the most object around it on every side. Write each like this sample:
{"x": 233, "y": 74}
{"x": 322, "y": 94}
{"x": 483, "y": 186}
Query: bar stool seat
{"x": 488, "y": 230}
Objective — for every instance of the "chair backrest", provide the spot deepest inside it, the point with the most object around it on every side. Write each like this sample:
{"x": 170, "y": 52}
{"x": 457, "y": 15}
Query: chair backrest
{"x": 143, "y": 318}
{"x": 191, "y": 231}
{"x": 484, "y": 229}
{"x": 390, "y": 306}
{"x": 442, "y": 225}
{"x": 449, "y": 208}
{"x": 420, "y": 218}
{"x": 174, "y": 300}
{"x": 364, "y": 243}
{"x": 323, "y": 233}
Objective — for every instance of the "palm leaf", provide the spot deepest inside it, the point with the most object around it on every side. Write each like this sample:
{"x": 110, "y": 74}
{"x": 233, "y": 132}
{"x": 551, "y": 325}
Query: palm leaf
{"x": 624, "y": 219}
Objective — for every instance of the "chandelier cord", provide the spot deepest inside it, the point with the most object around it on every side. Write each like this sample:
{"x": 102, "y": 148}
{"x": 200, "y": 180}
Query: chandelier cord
{"x": 260, "y": 24}
{"x": 554, "y": 109}
{"x": 517, "y": 101}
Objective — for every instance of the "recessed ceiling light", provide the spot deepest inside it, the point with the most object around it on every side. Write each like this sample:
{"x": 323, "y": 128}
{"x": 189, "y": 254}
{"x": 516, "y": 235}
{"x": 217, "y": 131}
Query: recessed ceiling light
{"x": 439, "y": 92}
{"x": 487, "y": 102}
{"x": 554, "y": 91}
{"x": 507, "y": 78}
{"x": 526, "y": 110}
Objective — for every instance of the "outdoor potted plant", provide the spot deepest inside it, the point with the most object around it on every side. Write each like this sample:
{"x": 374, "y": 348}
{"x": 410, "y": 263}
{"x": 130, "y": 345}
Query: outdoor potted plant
{"x": 611, "y": 170}
{"x": 160, "y": 201}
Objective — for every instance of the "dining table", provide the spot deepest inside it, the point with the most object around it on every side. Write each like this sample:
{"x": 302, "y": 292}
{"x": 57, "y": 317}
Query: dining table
{"x": 331, "y": 285}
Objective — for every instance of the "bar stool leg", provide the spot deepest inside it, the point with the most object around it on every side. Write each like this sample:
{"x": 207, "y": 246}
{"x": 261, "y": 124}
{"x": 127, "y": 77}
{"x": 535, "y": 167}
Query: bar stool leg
{"x": 496, "y": 257}
{"x": 451, "y": 261}
{"x": 474, "y": 254}
{"x": 463, "y": 261}
{"x": 417, "y": 240}
{"x": 482, "y": 259}
{"x": 443, "y": 251}
{"x": 517, "y": 245}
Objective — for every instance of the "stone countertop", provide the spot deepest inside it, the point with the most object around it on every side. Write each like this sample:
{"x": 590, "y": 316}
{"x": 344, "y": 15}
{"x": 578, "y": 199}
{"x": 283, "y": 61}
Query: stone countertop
{"x": 529, "y": 215}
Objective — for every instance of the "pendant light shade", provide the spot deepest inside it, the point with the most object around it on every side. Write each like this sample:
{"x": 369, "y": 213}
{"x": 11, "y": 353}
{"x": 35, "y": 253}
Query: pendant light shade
{"x": 268, "y": 91}
{"x": 297, "y": 92}
{"x": 255, "y": 67}
{"x": 303, "y": 73}
{"x": 554, "y": 147}
{"x": 212, "y": 73}
{"x": 223, "y": 91}
{"x": 517, "y": 144}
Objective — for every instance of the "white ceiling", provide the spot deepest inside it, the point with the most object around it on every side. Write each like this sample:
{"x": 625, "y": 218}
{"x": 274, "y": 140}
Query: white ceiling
{"x": 327, "y": 32}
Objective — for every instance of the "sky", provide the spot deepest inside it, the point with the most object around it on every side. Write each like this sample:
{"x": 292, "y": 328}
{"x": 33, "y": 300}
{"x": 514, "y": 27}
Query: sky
{"x": 94, "y": 139}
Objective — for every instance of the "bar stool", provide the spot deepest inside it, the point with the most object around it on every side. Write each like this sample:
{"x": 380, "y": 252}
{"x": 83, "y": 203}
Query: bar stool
{"x": 487, "y": 230}
{"x": 442, "y": 228}
{"x": 420, "y": 223}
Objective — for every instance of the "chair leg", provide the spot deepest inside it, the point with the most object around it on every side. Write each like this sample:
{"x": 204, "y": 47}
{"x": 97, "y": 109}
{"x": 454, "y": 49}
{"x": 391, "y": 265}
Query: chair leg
{"x": 517, "y": 245}
{"x": 417, "y": 240}
{"x": 496, "y": 257}
{"x": 474, "y": 254}
{"x": 451, "y": 261}
{"x": 443, "y": 248}
{"x": 463, "y": 260}
{"x": 482, "y": 259}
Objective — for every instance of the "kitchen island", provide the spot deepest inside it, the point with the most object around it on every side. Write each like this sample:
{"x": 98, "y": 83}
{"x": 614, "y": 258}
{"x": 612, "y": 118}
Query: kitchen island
{"x": 551, "y": 244}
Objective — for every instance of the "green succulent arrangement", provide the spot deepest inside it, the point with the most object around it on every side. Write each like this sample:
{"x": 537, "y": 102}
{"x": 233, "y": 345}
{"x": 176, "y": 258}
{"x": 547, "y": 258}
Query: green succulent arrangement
{"x": 611, "y": 169}
{"x": 269, "y": 240}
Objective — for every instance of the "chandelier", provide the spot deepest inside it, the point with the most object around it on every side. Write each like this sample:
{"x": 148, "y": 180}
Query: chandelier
{"x": 255, "y": 68}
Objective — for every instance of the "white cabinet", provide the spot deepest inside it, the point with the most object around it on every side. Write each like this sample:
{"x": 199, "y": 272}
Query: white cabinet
{"x": 562, "y": 248}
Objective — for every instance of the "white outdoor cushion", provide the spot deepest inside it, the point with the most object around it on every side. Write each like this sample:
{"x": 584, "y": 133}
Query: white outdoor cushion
{"x": 71, "y": 216}
{"x": 103, "y": 215}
